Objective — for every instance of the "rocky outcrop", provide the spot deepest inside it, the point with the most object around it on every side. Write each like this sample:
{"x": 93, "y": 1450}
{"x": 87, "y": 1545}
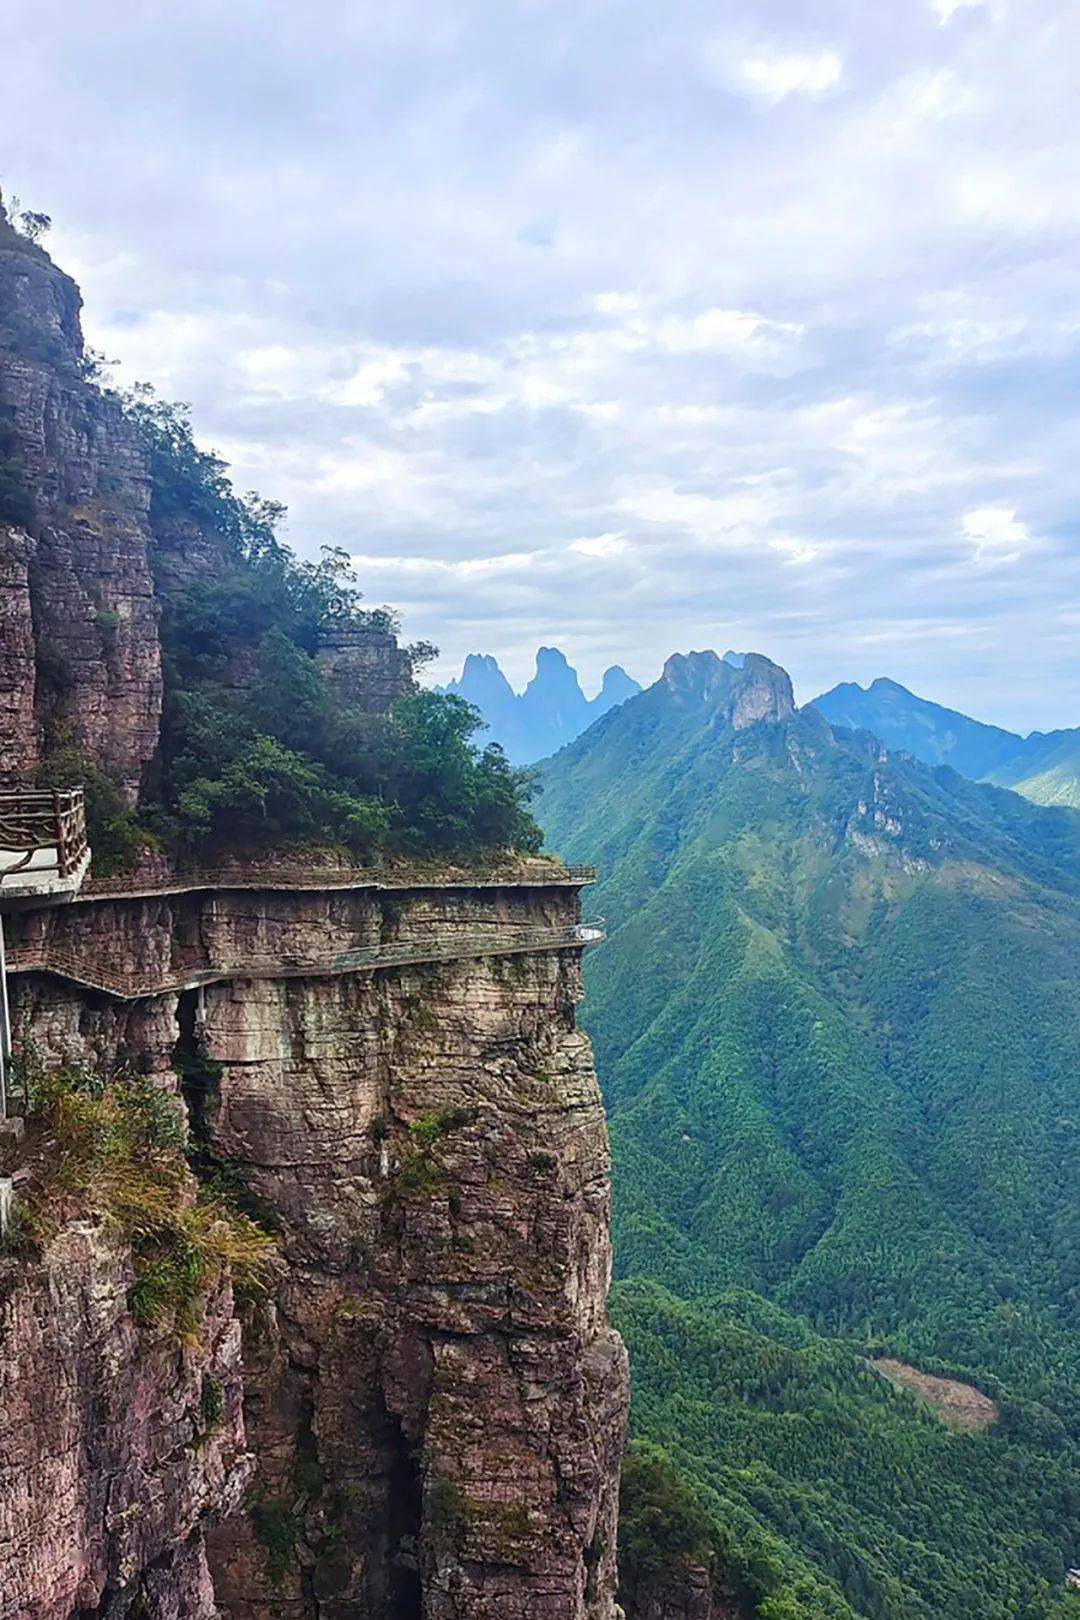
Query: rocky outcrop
{"x": 684, "y": 1591}
{"x": 86, "y": 561}
{"x": 548, "y": 714}
{"x": 116, "y": 1449}
{"x": 434, "y": 1401}
{"x": 434, "y": 1398}
{"x": 756, "y": 689}
{"x": 18, "y": 726}
{"x": 365, "y": 667}
{"x": 77, "y": 502}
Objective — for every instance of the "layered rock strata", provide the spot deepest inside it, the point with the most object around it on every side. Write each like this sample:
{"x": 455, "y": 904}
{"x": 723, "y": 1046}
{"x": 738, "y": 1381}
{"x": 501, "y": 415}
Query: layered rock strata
{"x": 117, "y": 1450}
{"x": 434, "y": 1398}
{"x": 87, "y": 559}
{"x": 76, "y": 479}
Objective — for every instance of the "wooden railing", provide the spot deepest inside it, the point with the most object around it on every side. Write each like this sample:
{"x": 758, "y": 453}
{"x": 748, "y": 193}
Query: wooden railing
{"x": 93, "y": 974}
{"x": 33, "y": 821}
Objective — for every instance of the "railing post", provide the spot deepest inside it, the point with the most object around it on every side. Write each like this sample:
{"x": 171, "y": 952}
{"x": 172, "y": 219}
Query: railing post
{"x": 58, "y": 825}
{"x": 5, "y": 1027}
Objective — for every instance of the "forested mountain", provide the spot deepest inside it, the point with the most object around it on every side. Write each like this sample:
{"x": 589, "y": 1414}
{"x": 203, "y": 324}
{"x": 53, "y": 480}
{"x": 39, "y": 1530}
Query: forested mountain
{"x": 838, "y": 1026}
{"x": 1044, "y": 767}
{"x": 551, "y": 711}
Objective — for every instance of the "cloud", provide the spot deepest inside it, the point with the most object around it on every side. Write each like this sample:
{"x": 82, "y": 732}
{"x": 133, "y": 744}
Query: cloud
{"x": 601, "y": 545}
{"x": 996, "y": 534}
{"x": 945, "y": 10}
{"x": 776, "y": 76}
{"x": 586, "y": 325}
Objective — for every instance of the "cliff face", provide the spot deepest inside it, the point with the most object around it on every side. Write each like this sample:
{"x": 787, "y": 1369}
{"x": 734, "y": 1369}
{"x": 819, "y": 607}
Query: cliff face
{"x": 76, "y": 542}
{"x": 84, "y": 556}
{"x": 433, "y": 1397}
{"x": 684, "y": 1591}
{"x": 115, "y": 1451}
{"x": 432, "y": 1401}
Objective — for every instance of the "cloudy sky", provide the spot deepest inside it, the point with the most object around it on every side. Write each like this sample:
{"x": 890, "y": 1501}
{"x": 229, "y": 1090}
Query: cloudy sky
{"x": 627, "y": 326}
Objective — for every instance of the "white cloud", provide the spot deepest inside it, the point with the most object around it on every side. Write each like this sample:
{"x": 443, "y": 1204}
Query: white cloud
{"x": 945, "y": 10}
{"x": 775, "y": 77}
{"x": 995, "y": 533}
{"x": 601, "y": 545}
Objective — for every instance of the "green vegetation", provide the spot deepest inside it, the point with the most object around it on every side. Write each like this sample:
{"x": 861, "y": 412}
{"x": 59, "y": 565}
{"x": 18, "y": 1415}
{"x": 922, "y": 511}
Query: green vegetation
{"x": 116, "y": 1148}
{"x": 256, "y": 750}
{"x": 278, "y": 1532}
{"x": 117, "y": 834}
{"x": 838, "y": 1028}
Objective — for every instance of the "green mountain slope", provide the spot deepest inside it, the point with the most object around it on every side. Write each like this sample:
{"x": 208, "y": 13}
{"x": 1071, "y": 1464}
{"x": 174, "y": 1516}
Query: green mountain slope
{"x": 838, "y": 1025}
{"x": 1047, "y": 771}
{"x": 1044, "y": 767}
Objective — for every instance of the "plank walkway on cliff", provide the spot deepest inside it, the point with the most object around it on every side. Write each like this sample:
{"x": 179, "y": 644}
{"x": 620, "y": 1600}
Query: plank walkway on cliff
{"x": 45, "y": 957}
{"x": 309, "y": 877}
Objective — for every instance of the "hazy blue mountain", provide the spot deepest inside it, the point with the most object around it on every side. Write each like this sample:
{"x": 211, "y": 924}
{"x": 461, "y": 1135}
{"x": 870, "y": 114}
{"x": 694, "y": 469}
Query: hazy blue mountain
{"x": 1047, "y": 770}
{"x": 1045, "y": 767}
{"x": 549, "y": 713}
{"x": 837, "y": 1023}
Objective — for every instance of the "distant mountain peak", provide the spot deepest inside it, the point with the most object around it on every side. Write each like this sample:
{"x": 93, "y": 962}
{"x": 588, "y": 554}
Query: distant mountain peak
{"x": 757, "y": 689}
{"x": 617, "y": 685}
{"x": 549, "y": 713}
{"x": 1045, "y": 768}
{"x": 551, "y": 658}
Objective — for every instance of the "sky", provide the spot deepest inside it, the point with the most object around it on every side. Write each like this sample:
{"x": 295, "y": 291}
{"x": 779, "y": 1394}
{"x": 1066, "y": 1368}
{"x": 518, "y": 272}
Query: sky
{"x": 625, "y": 327}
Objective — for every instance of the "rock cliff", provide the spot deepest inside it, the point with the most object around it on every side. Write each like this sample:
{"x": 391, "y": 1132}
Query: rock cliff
{"x": 433, "y": 1398}
{"x": 116, "y": 1450}
{"x": 87, "y": 558}
{"x": 424, "y": 1419}
{"x": 75, "y": 535}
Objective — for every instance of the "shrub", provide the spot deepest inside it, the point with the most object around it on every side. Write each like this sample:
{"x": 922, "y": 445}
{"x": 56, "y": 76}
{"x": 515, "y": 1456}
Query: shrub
{"x": 112, "y": 827}
{"x": 117, "y": 1148}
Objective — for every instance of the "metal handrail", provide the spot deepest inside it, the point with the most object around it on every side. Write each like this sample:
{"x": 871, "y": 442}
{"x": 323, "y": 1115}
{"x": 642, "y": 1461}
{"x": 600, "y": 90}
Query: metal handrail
{"x": 46, "y": 957}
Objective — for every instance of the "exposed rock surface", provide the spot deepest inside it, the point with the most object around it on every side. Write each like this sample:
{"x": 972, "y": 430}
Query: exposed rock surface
{"x": 435, "y": 1400}
{"x": 756, "y": 689}
{"x": 110, "y": 1468}
{"x": 18, "y": 727}
{"x": 365, "y": 667}
{"x": 685, "y": 1591}
{"x": 82, "y": 480}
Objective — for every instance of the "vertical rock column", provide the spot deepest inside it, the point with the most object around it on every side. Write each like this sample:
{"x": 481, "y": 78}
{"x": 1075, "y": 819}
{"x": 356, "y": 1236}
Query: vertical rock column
{"x": 436, "y": 1400}
{"x": 18, "y": 729}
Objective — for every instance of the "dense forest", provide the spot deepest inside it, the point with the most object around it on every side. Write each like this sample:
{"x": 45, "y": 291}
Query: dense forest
{"x": 838, "y": 1026}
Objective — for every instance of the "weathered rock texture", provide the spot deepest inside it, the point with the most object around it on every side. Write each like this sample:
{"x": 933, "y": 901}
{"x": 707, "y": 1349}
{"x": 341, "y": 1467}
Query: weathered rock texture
{"x": 435, "y": 1401}
{"x": 110, "y": 1468}
{"x": 684, "y": 1591}
{"x": 86, "y": 559}
{"x": 18, "y": 725}
{"x": 365, "y": 667}
{"x": 78, "y": 486}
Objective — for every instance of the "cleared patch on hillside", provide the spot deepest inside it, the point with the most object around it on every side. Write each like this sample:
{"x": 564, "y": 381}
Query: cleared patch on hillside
{"x": 961, "y": 1406}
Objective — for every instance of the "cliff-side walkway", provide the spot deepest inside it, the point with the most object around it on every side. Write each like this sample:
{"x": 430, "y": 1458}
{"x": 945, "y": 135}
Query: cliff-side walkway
{"x": 48, "y": 957}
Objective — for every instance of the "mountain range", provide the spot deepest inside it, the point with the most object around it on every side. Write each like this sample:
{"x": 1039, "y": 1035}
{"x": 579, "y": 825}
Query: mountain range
{"x": 550, "y": 712}
{"x": 1044, "y": 767}
{"x": 553, "y": 710}
{"x": 837, "y": 1022}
